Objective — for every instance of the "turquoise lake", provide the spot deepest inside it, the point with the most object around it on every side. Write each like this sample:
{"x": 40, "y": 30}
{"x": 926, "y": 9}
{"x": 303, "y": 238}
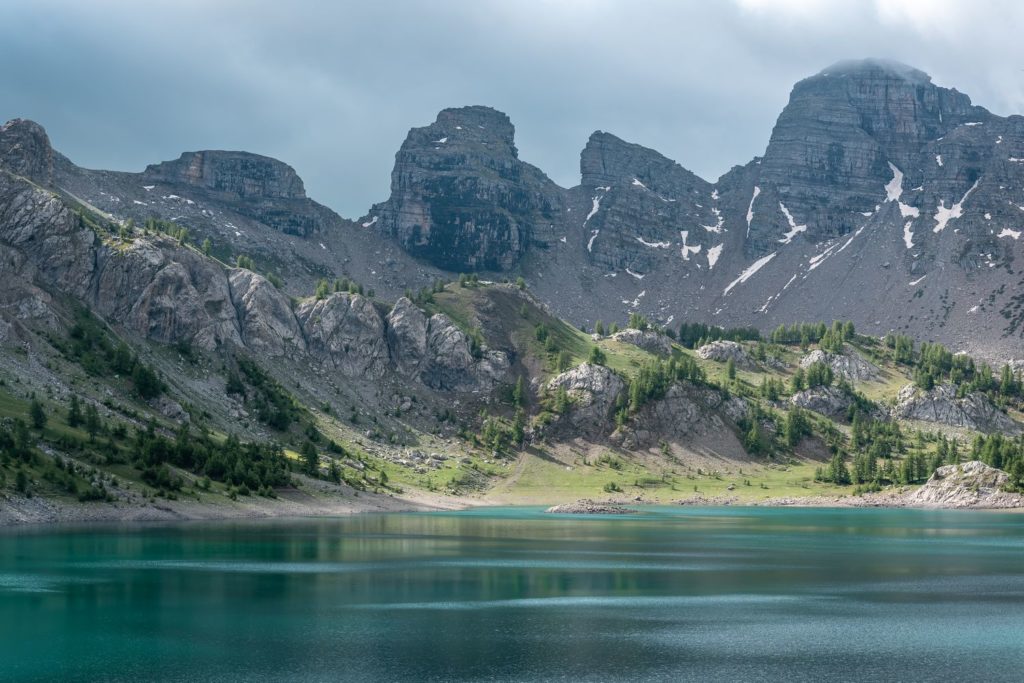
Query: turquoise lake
{"x": 703, "y": 594}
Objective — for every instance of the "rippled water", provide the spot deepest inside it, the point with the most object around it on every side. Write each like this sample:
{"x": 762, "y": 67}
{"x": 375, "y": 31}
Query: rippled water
{"x": 511, "y": 594}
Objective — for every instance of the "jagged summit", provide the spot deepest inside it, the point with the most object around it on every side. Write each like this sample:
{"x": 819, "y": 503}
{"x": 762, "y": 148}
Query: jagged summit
{"x": 881, "y": 197}
{"x": 25, "y": 150}
{"x": 608, "y": 159}
{"x": 459, "y": 127}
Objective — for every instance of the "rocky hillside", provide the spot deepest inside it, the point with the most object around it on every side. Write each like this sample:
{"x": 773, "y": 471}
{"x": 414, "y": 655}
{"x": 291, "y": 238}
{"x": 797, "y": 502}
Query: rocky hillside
{"x": 202, "y": 329}
{"x": 881, "y": 198}
{"x": 845, "y": 216}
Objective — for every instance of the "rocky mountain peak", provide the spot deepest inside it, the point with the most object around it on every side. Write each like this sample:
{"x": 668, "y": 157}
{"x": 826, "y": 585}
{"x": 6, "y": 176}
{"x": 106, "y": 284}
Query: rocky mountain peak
{"x": 835, "y": 144}
{"x": 244, "y": 175}
{"x": 468, "y": 125}
{"x": 609, "y": 160}
{"x": 25, "y": 150}
{"x": 461, "y": 198}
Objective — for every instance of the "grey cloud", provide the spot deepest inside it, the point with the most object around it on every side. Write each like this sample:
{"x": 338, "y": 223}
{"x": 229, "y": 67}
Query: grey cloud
{"x": 332, "y": 88}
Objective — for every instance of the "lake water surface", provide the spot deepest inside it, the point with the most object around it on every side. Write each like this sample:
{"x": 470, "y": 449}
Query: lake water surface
{"x": 732, "y": 594}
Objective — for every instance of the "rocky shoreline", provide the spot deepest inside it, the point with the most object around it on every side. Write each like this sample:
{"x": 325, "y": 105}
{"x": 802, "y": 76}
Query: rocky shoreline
{"x": 586, "y": 506}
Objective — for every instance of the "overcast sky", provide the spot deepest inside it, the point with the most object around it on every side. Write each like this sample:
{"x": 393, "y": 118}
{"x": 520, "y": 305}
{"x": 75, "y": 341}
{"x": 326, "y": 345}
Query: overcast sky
{"x": 333, "y": 87}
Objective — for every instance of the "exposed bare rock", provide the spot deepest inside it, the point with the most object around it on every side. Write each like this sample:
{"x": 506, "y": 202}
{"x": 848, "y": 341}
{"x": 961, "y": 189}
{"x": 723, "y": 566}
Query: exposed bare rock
{"x": 587, "y": 506}
{"x": 265, "y": 316}
{"x": 722, "y": 351}
{"x": 345, "y": 332}
{"x": 969, "y": 485}
{"x": 167, "y": 294}
{"x": 60, "y": 247}
{"x": 941, "y": 405}
{"x": 242, "y": 174}
{"x": 593, "y": 390}
{"x": 171, "y": 409}
{"x": 461, "y": 198}
{"x": 450, "y": 363}
{"x": 407, "y": 336}
{"x": 848, "y": 365}
{"x": 25, "y": 150}
{"x": 829, "y": 401}
{"x": 649, "y": 341}
{"x": 685, "y": 413}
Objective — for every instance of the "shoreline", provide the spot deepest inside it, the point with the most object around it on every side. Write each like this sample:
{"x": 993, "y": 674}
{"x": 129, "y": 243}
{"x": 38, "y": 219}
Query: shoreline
{"x": 294, "y": 503}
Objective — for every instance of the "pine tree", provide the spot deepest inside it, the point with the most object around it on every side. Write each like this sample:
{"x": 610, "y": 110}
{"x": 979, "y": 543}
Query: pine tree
{"x": 92, "y": 421}
{"x": 74, "y": 412}
{"x": 37, "y": 413}
{"x": 517, "y": 392}
{"x": 310, "y": 458}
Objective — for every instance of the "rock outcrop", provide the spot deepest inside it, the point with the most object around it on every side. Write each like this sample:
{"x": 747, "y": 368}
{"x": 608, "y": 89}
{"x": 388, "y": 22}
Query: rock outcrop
{"x": 643, "y": 210}
{"x": 593, "y": 391}
{"x": 25, "y": 150}
{"x": 460, "y": 197}
{"x": 942, "y": 405}
{"x": 587, "y": 506}
{"x": 724, "y": 351}
{"x": 439, "y": 354}
{"x": 686, "y": 412}
{"x": 969, "y": 485}
{"x": 828, "y": 159}
{"x": 849, "y": 365}
{"x": 241, "y": 174}
{"x": 453, "y": 363}
{"x": 345, "y": 332}
{"x": 832, "y": 402}
{"x": 267, "y": 323}
{"x": 649, "y": 341}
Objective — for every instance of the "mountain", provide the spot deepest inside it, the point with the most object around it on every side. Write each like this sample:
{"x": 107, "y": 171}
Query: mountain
{"x": 880, "y": 198}
{"x": 204, "y": 330}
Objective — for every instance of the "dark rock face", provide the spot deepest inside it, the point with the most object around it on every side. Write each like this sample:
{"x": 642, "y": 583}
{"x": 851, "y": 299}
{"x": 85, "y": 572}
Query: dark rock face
{"x": 244, "y": 175}
{"x": 25, "y": 150}
{"x": 264, "y": 189}
{"x": 460, "y": 197}
{"x": 828, "y": 158}
{"x": 641, "y": 208}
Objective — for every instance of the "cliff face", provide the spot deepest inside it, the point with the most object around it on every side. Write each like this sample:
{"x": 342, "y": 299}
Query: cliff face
{"x": 244, "y": 175}
{"x": 25, "y": 150}
{"x": 461, "y": 198}
{"x": 645, "y": 210}
{"x": 828, "y": 160}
